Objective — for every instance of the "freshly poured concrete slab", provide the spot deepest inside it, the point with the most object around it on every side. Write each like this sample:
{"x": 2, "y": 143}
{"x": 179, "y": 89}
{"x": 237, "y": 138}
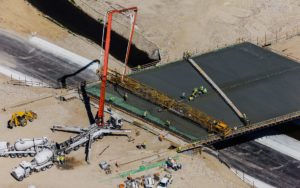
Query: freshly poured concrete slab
{"x": 181, "y": 126}
{"x": 179, "y": 77}
{"x": 261, "y": 83}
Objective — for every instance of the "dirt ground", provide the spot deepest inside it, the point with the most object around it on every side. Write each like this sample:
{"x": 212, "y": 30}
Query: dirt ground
{"x": 289, "y": 48}
{"x": 197, "y": 170}
{"x": 200, "y": 25}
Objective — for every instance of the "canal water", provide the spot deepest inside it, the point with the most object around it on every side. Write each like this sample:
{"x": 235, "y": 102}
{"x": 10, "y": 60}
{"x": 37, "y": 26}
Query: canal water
{"x": 77, "y": 21}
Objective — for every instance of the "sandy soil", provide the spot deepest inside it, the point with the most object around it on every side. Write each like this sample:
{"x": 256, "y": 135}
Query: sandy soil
{"x": 290, "y": 48}
{"x": 20, "y": 17}
{"x": 200, "y": 25}
{"x": 199, "y": 169}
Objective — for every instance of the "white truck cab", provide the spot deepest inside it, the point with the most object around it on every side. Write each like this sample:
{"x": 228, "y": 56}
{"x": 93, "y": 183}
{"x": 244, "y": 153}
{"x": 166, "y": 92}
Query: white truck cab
{"x": 22, "y": 171}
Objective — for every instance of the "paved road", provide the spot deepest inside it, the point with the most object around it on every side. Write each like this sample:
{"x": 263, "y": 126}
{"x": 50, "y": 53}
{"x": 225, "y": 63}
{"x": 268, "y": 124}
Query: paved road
{"x": 263, "y": 163}
{"x": 19, "y": 55}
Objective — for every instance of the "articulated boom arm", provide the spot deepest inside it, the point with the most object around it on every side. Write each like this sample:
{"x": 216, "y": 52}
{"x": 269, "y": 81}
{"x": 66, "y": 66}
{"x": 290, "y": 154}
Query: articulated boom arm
{"x": 100, "y": 121}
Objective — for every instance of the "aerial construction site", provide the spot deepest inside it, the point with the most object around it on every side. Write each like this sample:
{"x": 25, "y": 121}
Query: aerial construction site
{"x": 134, "y": 94}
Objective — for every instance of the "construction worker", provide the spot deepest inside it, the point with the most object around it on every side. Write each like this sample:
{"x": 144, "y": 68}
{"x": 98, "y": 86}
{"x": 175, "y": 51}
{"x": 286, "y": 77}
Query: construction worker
{"x": 139, "y": 67}
{"x": 191, "y": 98}
{"x": 125, "y": 97}
{"x": 144, "y": 145}
{"x": 204, "y": 91}
{"x": 109, "y": 108}
{"x": 62, "y": 159}
{"x": 195, "y": 90}
{"x": 117, "y": 164}
{"x": 111, "y": 99}
{"x": 182, "y": 95}
{"x": 201, "y": 89}
{"x": 187, "y": 54}
{"x": 145, "y": 114}
{"x": 58, "y": 159}
{"x": 168, "y": 123}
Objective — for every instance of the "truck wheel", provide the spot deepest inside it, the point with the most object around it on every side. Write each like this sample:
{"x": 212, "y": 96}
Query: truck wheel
{"x": 23, "y": 122}
{"x": 25, "y": 154}
{"x": 10, "y": 124}
{"x": 21, "y": 178}
{"x": 12, "y": 155}
{"x": 101, "y": 136}
{"x": 67, "y": 152}
{"x": 76, "y": 148}
{"x": 32, "y": 154}
{"x": 19, "y": 155}
{"x": 49, "y": 166}
{"x": 44, "y": 168}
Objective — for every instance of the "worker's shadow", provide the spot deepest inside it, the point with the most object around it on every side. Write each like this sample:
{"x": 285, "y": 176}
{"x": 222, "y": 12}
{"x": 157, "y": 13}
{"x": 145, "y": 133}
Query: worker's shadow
{"x": 87, "y": 104}
{"x": 63, "y": 79}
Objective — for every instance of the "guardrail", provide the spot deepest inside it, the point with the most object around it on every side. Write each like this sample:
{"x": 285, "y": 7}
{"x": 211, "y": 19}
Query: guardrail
{"x": 144, "y": 67}
{"x": 241, "y": 175}
{"x": 246, "y": 129}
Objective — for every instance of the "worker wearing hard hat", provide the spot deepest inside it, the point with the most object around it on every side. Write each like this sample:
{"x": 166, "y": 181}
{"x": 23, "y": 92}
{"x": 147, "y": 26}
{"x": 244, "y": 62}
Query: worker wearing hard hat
{"x": 145, "y": 114}
{"x": 125, "y": 97}
{"x": 168, "y": 123}
{"x": 62, "y": 159}
{"x": 191, "y": 98}
{"x": 182, "y": 95}
{"x": 195, "y": 91}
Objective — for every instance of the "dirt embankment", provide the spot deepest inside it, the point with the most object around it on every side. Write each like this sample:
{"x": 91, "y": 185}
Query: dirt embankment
{"x": 176, "y": 25}
{"x": 23, "y": 19}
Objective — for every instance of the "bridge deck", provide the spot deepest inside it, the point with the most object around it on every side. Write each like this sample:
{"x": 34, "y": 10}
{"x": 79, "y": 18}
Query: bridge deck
{"x": 262, "y": 84}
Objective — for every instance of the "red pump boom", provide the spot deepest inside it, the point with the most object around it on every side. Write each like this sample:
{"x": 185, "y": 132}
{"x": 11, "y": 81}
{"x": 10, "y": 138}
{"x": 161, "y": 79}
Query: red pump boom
{"x": 100, "y": 121}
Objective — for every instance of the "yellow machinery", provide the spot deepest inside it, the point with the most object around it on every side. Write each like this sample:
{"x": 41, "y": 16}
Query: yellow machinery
{"x": 21, "y": 118}
{"x": 206, "y": 121}
{"x": 219, "y": 127}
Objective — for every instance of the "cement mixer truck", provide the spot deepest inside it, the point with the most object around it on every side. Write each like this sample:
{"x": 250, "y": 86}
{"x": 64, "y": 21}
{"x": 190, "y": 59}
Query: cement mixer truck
{"x": 23, "y": 147}
{"x": 41, "y": 162}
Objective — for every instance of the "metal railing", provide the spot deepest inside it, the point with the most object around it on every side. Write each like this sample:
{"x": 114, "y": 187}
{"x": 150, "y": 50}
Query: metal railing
{"x": 241, "y": 175}
{"x": 144, "y": 67}
{"x": 29, "y": 82}
{"x": 246, "y": 129}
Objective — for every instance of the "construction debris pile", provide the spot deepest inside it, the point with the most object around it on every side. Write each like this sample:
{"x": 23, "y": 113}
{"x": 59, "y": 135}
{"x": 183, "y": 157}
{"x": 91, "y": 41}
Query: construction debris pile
{"x": 149, "y": 181}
